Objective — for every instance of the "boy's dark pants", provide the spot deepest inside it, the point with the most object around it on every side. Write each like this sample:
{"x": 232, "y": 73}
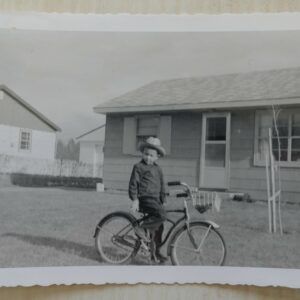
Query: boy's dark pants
{"x": 156, "y": 217}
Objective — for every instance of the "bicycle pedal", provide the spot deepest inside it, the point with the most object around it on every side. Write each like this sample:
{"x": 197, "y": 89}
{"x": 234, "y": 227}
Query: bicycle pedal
{"x": 145, "y": 250}
{"x": 144, "y": 245}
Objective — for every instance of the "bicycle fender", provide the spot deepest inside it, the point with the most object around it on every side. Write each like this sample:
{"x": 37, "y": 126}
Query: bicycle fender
{"x": 124, "y": 214}
{"x": 213, "y": 224}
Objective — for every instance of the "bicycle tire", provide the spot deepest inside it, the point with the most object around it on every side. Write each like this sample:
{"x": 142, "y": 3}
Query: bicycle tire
{"x": 183, "y": 248}
{"x": 115, "y": 239}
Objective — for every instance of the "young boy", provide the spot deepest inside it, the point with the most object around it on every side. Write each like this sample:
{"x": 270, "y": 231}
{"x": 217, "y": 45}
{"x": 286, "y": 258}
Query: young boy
{"x": 147, "y": 191}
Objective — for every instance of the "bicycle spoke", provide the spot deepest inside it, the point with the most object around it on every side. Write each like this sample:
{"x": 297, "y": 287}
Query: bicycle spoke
{"x": 204, "y": 237}
{"x": 119, "y": 240}
{"x": 107, "y": 231}
{"x": 186, "y": 248}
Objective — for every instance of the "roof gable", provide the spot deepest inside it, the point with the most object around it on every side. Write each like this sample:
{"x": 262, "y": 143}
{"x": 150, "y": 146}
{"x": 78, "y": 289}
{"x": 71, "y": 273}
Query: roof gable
{"x": 230, "y": 90}
{"x": 28, "y": 107}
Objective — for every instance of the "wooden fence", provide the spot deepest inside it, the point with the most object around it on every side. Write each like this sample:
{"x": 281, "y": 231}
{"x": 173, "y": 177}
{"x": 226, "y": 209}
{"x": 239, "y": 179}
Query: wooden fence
{"x": 70, "y": 168}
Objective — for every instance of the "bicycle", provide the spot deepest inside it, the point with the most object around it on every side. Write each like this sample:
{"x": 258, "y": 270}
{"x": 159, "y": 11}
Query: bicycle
{"x": 190, "y": 242}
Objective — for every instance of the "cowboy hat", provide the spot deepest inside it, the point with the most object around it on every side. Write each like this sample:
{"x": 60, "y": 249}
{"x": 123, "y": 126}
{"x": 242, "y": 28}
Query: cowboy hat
{"x": 152, "y": 143}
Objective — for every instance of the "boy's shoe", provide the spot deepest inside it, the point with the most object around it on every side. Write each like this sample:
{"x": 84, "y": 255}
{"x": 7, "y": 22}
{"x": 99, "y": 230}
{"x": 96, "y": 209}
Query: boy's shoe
{"x": 158, "y": 259}
{"x": 144, "y": 248}
{"x": 161, "y": 257}
{"x": 154, "y": 259}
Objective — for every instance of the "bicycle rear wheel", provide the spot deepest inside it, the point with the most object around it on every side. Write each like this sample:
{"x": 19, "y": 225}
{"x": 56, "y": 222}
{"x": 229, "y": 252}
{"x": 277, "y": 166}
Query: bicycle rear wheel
{"x": 201, "y": 244}
{"x": 115, "y": 239}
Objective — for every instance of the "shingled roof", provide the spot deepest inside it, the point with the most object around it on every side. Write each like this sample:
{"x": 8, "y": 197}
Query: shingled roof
{"x": 251, "y": 89}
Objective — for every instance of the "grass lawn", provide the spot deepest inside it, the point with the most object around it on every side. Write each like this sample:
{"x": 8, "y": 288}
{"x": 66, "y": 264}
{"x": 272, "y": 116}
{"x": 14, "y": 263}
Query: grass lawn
{"x": 55, "y": 227}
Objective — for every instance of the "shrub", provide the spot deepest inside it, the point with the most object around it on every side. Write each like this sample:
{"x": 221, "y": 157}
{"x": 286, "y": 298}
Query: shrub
{"x": 47, "y": 180}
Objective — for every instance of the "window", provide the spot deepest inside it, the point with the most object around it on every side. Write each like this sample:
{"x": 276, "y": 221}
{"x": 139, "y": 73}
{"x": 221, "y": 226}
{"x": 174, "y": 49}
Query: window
{"x": 215, "y": 142}
{"x": 146, "y": 126}
{"x": 25, "y": 140}
{"x": 286, "y": 145}
{"x": 139, "y": 128}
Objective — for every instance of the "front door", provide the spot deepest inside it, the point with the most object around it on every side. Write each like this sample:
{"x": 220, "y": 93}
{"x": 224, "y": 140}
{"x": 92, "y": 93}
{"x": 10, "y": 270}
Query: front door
{"x": 214, "y": 162}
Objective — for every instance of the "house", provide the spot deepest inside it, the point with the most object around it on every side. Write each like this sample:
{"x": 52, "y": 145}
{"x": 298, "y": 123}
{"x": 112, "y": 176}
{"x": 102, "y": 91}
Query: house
{"x": 213, "y": 129}
{"x": 91, "y": 149}
{"x": 24, "y": 132}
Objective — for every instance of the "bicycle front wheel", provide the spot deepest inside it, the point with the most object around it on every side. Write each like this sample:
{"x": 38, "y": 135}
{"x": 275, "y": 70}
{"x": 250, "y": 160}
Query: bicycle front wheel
{"x": 115, "y": 239}
{"x": 200, "y": 244}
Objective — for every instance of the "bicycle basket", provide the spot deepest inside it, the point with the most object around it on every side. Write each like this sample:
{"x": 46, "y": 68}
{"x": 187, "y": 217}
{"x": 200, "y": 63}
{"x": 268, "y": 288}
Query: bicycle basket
{"x": 204, "y": 200}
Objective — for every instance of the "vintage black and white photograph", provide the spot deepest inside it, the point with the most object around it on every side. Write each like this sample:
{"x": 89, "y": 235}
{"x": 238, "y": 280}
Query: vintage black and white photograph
{"x": 149, "y": 149}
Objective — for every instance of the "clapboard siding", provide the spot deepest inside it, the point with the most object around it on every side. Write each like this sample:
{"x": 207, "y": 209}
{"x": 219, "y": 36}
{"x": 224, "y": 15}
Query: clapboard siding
{"x": 114, "y": 144}
{"x": 287, "y": 174}
{"x": 242, "y": 139}
{"x": 119, "y": 170}
{"x": 126, "y": 167}
{"x": 244, "y": 176}
{"x": 186, "y": 135}
{"x": 189, "y": 152}
{"x": 180, "y": 164}
{"x": 242, "y": 143}
{"x": 261, "y": 194}
{"x": 113, "y": 137}
{"x": 260, "y": 184}
{"x": 183, "y": 161}
{"x": 123, "y": 161}
{"x": 253, "y": 184}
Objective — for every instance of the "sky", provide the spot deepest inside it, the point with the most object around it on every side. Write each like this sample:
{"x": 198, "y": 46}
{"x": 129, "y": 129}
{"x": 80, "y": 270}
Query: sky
{"x": 65, "y": 74}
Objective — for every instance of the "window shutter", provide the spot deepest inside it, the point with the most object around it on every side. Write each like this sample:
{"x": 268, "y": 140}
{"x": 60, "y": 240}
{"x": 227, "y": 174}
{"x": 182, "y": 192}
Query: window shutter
{"x": 165, "y": 132}
{"x": 129, "y": 136}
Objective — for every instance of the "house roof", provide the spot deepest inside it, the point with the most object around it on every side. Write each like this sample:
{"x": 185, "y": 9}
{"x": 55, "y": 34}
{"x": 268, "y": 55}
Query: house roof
{"x": 261, "y": 88}
{"x": 29, "y": 107}
{"x": 90, "y": 132}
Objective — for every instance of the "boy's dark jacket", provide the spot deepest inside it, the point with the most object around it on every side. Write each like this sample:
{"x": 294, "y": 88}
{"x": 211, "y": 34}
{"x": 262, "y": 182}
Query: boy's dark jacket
{"x": 146, "y": 181}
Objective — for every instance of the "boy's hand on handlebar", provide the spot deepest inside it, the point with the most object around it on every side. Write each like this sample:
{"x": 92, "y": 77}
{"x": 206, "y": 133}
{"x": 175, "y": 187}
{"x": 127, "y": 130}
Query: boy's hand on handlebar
{"x": 135, "y": 205}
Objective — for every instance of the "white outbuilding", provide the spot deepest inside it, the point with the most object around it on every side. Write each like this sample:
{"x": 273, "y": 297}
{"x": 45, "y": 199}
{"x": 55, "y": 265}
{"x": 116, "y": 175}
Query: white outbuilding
{"x": 24, "y": 131}
{"x": 91, "y": 149}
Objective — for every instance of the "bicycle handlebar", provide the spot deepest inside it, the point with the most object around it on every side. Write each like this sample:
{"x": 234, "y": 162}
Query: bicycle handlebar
{"x": 186, "y": 191}
{"x": 173, "y": 183}
{"x": 182, "y": 195}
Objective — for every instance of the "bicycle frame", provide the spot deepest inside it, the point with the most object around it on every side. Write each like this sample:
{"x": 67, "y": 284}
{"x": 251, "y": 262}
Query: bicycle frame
{"x": 186, "y": 215}
{"x": 174, "y": 224}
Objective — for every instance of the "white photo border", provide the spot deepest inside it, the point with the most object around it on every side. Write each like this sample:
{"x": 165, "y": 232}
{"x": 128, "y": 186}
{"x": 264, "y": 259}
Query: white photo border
{"x": 11, "y": 277}
{"x": 45, "y": 276}
{"x": 150, "y": 23}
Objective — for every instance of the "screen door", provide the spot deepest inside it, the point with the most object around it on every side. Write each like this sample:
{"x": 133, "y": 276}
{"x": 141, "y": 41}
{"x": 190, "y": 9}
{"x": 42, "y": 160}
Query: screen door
{"x": 214, "y": 167}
